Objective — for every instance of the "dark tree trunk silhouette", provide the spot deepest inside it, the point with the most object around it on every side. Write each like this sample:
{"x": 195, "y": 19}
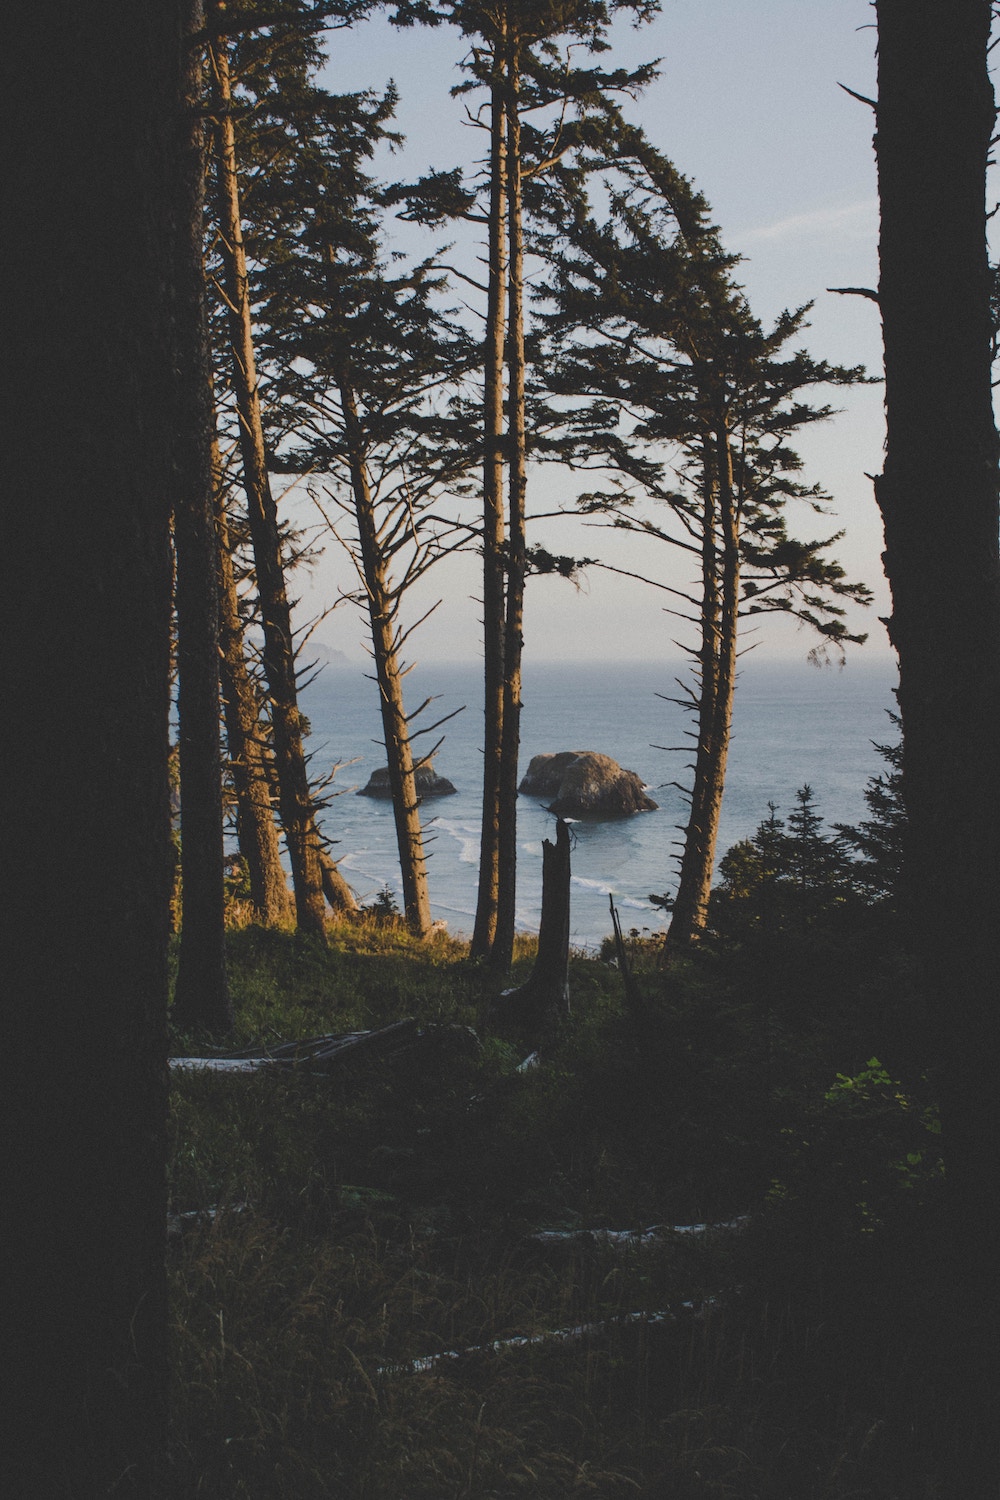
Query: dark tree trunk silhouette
{"x": 201, "y": 994}
{"x": 938, "y": 497}
{"x": 96, "y": 341}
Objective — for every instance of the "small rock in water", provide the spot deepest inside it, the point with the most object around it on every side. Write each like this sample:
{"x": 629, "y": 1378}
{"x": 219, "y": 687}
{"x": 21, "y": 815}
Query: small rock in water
{"x": 586, "y": 784}
{"x": 429, "y": 783}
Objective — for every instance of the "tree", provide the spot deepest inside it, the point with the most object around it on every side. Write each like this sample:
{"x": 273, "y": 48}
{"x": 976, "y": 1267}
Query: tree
{"x": 647, "y": 322}
{"x": 310, "y": 877}
{"x": 787, "y": 880}
{"x": 876, "y": 843}
{"x": 938, "y": 498}
{"x": 201, "y": 992}
{"x": 251, "y": 765}
{"x": 360, "y": 358}
{"x": 521, "y": 53}
{"x": 273, "y": 39}
{"x": 102, "y": 344}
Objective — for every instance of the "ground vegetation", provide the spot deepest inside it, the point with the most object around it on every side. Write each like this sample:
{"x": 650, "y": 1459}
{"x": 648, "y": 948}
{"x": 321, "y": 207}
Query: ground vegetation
{"x": 445, "y": 1271}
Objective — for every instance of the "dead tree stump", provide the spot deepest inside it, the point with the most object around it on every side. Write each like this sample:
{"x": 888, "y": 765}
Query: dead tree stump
{"x": 533, "y": 1010}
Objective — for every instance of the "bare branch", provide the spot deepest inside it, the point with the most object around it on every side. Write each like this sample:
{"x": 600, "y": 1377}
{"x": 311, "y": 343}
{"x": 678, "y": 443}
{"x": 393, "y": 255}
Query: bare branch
{"x": 854, "y": 291}
{"x": 861, "y": 98}
{"x": 430, "y": 728}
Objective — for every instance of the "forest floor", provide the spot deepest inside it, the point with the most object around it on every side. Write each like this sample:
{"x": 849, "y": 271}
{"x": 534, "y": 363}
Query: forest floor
{"x": 404, "y": 1292}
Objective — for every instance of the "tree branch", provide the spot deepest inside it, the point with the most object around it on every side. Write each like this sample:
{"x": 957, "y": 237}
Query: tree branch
{"x": 861, "y": 98}
{"x": 854, "y": 291}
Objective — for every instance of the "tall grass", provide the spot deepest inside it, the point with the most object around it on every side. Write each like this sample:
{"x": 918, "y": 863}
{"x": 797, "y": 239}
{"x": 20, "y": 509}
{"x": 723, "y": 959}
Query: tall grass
{"x": 382, "y": 1215}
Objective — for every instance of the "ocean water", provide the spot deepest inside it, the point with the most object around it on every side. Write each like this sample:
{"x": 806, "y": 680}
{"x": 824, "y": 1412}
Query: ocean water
{"x": 793, "y": 724}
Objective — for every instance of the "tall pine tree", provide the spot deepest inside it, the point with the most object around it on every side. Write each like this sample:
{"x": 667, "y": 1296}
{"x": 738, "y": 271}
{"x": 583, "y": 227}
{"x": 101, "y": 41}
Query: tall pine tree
{"x": 363, "y": 360}
{"x": 645, "y": 320}
{"x": 277, "y": 37}
{"x": 539, "y": 102}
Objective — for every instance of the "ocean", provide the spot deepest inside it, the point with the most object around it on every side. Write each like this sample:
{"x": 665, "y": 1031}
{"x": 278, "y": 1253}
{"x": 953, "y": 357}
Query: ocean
{"x": 793, "y": 724}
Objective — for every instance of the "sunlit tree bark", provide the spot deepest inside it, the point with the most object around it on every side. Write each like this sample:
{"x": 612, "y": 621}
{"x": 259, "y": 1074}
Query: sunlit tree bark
{"x": 717, "y": 657}
{"x": 310, "y": 874}
{"x": 257, "y": 834}
{"x": 494, "y": 521}
{"x": 382, "y": 615}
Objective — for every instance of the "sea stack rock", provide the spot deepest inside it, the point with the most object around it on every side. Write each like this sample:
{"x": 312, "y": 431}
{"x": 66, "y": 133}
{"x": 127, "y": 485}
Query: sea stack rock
{"x": 585, "y": 784}
{"x": 429, "y": 783}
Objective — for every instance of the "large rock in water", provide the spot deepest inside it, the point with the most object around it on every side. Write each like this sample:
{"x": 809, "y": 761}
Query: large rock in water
{"x": 585, "y": 784}
{"x": 429, "y": 783}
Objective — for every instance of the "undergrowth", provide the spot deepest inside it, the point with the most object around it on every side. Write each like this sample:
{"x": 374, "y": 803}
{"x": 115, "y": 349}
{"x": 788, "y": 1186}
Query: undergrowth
{"x": 387, "y": 1214}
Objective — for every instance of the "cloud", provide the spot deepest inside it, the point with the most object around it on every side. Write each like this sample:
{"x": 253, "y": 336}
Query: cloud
{"x": 849, "y": 218}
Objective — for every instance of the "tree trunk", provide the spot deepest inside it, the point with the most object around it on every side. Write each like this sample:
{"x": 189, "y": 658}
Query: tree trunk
{"x": 201, "y": 995}
{"x": 295, "y": 799}
{"x": 503, "y": 943}
{"x": 395, "y": 727}
{"x": 720, "y": 631}
{"x": 493, "y": 526}
{"x": 339, "y": 896}
{"x": 255, "y": 827}
{"x": 536, "y": 1007}
{"x": 100, "y": 338}
{"x": 692, "y": 895}
{"x": 938, "y": 497}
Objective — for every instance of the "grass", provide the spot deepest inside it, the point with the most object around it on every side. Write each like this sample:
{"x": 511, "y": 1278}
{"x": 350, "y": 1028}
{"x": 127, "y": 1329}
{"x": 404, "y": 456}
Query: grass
{"x": 384, "y": 1215}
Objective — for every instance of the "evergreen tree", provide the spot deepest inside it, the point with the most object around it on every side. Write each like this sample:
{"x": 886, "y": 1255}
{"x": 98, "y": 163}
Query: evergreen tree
{"x": 201, "y": 994}
{"x": 645, "y": 320}
{"x": 877, "y": 843}
{"x": 361, "y": 357}
{"x": 808, "y": 848}
{"x": 312, "y": 875}
{"x": 250, "y": 763}
{"x": 787, "y": 878}
{"x": 522, "y": 55}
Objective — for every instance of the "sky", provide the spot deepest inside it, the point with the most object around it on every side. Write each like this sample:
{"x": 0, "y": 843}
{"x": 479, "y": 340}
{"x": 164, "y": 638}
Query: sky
{"x": 748, "y": 104}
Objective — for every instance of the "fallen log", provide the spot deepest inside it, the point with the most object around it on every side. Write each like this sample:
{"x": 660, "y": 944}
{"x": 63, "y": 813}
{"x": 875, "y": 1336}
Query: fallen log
{"x": 316, "y": 1053}
{"x": 319, "y": 1054}
{"x": 656, "y": 1234}
{"x": 694, "y": 1309}
{"x": 178, "y": 1225}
